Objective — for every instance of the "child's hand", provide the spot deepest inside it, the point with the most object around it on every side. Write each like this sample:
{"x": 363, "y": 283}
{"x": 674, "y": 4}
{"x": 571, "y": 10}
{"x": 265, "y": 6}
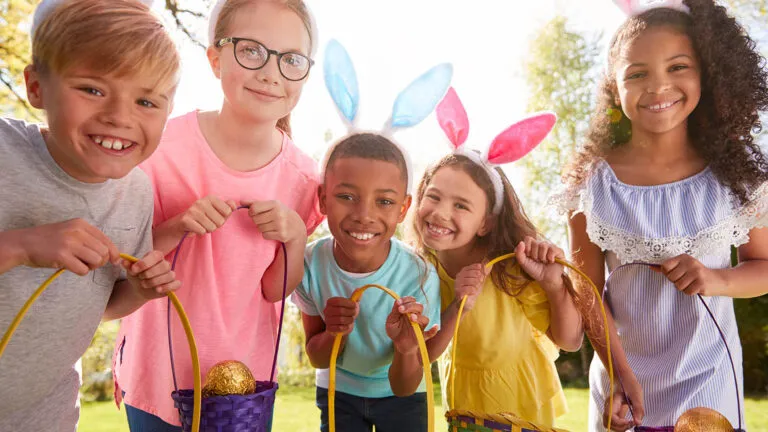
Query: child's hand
{"x": 340, "y": 314}
{"x": 537, "y": 258}
{"x": 691, "y": 277}
{"x": 399, "y": 328}
{"x": 469, "y": 283}
{"x": 151, "y": 276}
{"x": 74, "y": 245}
{"x": 206, "y": 215}
{"x": 621, "y": 404}
{"x": 277, "y": 222}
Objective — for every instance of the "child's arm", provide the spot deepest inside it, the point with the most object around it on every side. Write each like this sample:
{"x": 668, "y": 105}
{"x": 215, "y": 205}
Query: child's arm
{"x": 74, "y": 245}
{"x": 148, "y": 279}
{"x": 746, "y": 280}
{"x": 340, "y": 314}
{"x": 205, "y": 216}
{"x": 537, "y": 258}
{"x": 277, "y": 222}
{"x": 591, "y": 260}
{"x": 406, "y": 371}
{"x": 469, "y": 281}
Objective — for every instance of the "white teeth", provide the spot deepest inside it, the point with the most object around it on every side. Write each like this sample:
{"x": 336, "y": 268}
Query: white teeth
{"x": 659, "y": 107}
{"x": 362, "y": 236}
{"x": 112, "y": 143}
{"x": 438, "y": 230}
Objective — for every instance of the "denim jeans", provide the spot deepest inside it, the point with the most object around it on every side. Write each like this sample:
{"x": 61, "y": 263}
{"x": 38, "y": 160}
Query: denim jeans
{"x": 388, "y": 414}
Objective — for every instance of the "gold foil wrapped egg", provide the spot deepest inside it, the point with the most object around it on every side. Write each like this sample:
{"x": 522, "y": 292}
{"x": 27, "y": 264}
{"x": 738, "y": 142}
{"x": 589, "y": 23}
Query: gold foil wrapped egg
{"x": 702, "y": 419}
{"x": 229, "y": 378}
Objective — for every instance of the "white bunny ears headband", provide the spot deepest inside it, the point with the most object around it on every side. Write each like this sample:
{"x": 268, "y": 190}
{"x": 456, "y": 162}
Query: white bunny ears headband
{"x": 411, "y": 106}
{"x": 637, "y": 7}
{"x": 45, "y": 7}
{"x": 510, "y": 145}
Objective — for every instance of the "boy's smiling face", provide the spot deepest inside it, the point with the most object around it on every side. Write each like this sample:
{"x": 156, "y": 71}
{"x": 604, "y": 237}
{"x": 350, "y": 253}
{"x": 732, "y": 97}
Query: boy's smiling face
{"x": 364, "y": 200}
{"x": 100, "y": 125}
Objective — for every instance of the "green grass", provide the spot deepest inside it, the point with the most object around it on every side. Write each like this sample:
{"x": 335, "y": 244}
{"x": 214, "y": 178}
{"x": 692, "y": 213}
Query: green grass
{"x": 296, "y": 411}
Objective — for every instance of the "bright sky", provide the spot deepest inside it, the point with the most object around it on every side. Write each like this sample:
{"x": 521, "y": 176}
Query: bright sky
{"x": 392, "y": 42}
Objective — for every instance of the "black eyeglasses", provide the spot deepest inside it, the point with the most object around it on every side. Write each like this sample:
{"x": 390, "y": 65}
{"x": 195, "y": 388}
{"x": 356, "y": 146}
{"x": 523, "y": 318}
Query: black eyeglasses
{"x": 253, "y": 55}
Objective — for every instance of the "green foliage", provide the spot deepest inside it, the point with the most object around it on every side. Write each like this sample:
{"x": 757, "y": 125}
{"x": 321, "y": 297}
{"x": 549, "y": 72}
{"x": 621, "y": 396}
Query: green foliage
{"x": 560, "y": 72}
{"x": 295, "y": 368}
{"x": 14, "y": 57}
{"x": 97, "y": 364}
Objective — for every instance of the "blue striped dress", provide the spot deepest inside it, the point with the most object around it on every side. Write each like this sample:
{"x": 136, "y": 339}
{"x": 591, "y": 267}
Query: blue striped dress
{"x": 671, "y": 342}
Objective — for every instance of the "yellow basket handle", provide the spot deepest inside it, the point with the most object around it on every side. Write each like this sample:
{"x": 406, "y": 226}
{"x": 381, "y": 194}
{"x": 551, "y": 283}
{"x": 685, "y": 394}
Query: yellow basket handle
{"x": 182, "y": 315}
{"x": 490, "y": 264}
{"x": 424, "y": 361}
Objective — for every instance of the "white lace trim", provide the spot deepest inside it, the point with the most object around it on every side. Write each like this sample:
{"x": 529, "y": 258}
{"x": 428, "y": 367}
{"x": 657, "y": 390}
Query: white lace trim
{"x": 630, "y": 247}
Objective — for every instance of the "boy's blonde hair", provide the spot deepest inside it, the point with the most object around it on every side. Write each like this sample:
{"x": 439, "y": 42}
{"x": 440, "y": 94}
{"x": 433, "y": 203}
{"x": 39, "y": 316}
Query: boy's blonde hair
{"x": 121, "y": 37}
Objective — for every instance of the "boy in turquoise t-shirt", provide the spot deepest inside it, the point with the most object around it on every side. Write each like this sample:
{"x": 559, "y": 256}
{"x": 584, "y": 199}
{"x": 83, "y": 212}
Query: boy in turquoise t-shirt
{"x": 379, "y": 372}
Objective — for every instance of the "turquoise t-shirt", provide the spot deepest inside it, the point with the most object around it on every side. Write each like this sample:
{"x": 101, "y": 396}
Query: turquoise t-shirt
{"x": 363, "y": 366}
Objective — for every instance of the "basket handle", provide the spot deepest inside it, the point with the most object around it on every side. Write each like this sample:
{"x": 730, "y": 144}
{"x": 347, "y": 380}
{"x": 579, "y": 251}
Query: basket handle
{"x": 714, "y": 321}
{"x": 424, "y": 361}
{"x": 452, "y": 373}
{"x": 171, "y": 299}
{"x": 280, "y": 323}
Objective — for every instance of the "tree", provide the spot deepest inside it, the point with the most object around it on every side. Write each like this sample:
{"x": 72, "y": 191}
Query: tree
{"x": 14, "y": 57}
{"x": 560, "y": 72}
{"x": 752, "y": 315}
{"x": 561, "y": 75}
{"x": 15, "y": 19}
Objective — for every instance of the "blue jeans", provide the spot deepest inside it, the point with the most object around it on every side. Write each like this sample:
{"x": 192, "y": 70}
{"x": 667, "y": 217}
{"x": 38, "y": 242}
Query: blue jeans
{"x": 388, "y": 414}
{"x": 142, "y": 421}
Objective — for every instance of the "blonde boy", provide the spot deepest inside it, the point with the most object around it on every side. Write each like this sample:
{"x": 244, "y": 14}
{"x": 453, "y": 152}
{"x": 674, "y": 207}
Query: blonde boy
{"x": 104, "y": 72}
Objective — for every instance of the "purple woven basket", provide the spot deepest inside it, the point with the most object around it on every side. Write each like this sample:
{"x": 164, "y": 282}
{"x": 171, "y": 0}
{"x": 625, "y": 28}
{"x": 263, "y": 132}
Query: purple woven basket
{"x": 232, "y": 413}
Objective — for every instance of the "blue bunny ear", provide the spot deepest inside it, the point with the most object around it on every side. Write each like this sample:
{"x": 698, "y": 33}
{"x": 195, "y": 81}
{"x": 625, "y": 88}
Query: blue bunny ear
{"x": 421, "y": 97}
{"x": 341, "y": 80}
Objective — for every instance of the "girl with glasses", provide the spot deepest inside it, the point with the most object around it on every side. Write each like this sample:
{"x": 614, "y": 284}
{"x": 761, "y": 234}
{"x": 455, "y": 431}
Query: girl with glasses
{"x": 208, "y": 165}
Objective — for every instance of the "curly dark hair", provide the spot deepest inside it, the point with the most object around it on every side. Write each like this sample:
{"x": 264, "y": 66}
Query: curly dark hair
{"x": 734, "y": 88}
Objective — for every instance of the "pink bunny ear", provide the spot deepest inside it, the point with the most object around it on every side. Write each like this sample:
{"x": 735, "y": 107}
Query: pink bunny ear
{"x": 625, "y": 6}
{"x": 521, "y": 138}
{"x": 453, "y": 118}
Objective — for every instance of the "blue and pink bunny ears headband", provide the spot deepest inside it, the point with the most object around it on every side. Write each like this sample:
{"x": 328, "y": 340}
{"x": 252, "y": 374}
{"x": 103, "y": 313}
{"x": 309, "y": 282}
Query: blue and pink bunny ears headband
{"x": 636, "y": 7}
{"x": 411, "y": 106}
{"x": 510, "y": 145}
{"x": 45, "y": 7}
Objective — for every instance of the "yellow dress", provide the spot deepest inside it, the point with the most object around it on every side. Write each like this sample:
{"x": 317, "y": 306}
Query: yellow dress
{"x": 505, "y": 361}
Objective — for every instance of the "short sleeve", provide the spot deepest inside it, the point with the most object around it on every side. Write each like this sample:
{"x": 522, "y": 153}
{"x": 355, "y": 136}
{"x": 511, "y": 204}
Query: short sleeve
{"x": 302, "y": 296}
{"x": 535, "y": 306}
{"x": 432, "y": 290}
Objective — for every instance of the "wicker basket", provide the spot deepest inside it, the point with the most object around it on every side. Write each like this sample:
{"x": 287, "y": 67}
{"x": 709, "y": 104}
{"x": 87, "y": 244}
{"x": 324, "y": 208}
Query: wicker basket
{"x": 468, "y": 421}
{"x": 252, "y": 413}
{"x": 232, "y": 413}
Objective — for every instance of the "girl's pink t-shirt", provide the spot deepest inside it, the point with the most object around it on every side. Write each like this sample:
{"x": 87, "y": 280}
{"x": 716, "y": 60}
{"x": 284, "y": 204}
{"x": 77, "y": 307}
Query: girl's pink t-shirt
{"x": 220, "y": 272}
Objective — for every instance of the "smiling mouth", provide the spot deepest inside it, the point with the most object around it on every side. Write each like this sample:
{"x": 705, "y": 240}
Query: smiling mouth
{"x": 263, "y": 94}
{"x": 660, "y": 107}
{"x": 362, "y": 236}
{"x": 112, "y": 143}
{"x": 437, "y": 231}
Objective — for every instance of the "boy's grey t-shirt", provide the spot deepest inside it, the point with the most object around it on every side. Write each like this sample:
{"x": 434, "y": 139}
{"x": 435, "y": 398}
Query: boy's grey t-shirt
{"x": 39, "y": 383}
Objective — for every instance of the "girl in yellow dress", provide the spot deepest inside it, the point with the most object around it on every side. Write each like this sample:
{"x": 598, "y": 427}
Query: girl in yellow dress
{"x": 519, "y": 313}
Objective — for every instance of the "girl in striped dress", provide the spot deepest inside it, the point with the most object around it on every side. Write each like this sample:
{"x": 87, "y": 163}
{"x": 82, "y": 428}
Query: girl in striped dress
{"x": 668, "y": 181}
